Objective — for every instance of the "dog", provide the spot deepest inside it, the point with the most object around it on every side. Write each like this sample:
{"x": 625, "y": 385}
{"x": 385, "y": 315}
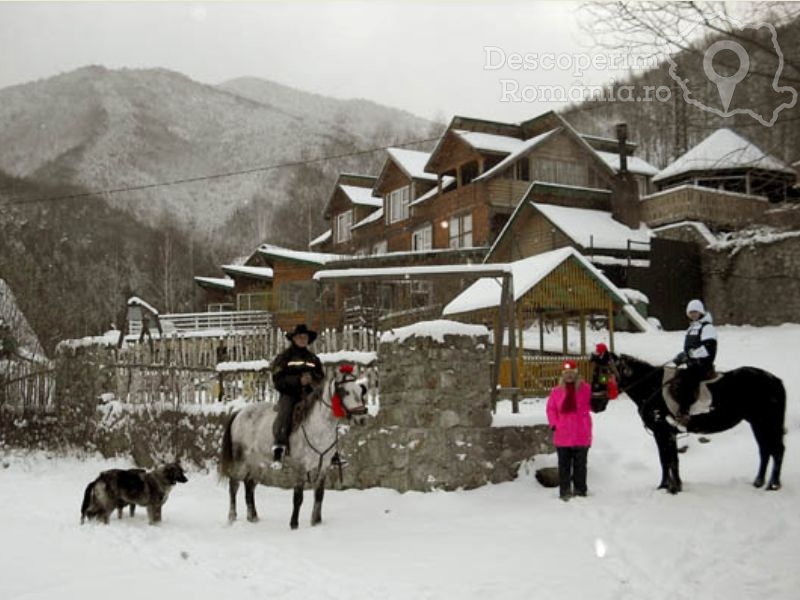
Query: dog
{"x": 117, "y": 488}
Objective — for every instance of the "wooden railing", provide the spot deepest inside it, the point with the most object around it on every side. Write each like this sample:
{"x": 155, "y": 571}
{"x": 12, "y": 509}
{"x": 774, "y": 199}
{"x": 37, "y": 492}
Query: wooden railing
{"x": 240, "y": 320}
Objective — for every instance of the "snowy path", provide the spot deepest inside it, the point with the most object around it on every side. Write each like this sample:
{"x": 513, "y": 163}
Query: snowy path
{"x": 720, "y": 538}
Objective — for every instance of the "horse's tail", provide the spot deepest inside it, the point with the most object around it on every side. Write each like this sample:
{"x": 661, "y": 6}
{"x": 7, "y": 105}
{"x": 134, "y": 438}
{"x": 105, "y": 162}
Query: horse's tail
{"x": 226, "y": 458}
{"x": 87, "y": 499}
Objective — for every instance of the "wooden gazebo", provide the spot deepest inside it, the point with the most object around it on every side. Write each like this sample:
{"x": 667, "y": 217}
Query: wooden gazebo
{"x": 558, "y": 287}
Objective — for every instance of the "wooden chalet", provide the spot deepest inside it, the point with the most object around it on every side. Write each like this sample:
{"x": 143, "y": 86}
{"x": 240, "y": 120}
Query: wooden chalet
{"x": 725, "y": 182}
{"x": 462, "y": 194}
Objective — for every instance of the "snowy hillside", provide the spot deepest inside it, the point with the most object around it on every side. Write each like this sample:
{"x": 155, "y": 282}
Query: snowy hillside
{"x": 720, "y": 538}
{"x": 109, "y": 129}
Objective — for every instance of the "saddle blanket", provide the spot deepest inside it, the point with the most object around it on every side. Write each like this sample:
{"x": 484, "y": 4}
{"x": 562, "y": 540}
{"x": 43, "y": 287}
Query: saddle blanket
{"x": 700, "y": 406}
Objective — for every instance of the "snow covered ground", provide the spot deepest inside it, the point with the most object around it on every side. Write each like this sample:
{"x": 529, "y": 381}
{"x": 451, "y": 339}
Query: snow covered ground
{"x": 720, "y": 538}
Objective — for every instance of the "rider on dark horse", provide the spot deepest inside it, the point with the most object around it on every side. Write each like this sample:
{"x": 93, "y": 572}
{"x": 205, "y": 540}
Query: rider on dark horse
{"x": 699, "y": 351}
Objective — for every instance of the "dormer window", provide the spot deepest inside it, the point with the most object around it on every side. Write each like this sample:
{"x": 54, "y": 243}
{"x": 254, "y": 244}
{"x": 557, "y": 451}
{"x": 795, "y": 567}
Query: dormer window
{"x": 344, "y": 221}
{"x": 397, "y": 204}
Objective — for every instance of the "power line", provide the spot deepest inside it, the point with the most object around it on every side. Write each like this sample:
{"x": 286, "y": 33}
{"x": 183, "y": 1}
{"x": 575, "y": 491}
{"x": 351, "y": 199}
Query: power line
{"x": 135, "y": 188}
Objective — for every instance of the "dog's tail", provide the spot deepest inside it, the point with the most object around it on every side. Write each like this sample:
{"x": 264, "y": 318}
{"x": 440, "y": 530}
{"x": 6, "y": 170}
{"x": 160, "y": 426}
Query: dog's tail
{"x": 87, "y": 500}
{"x": 226, "y": 458}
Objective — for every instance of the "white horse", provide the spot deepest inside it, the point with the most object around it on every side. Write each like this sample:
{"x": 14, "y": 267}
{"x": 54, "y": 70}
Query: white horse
{"x": 248, "y": 439}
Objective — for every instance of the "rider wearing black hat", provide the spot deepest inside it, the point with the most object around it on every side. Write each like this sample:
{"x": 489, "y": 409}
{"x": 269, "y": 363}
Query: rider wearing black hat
{"x": 295, "y": 372}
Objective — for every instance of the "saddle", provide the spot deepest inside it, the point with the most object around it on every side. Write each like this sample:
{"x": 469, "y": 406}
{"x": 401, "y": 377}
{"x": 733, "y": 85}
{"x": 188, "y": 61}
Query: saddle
{"x": 699, "y": 403}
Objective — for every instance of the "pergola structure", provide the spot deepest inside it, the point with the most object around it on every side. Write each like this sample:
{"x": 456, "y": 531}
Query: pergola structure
{"x": 506, "y": 315}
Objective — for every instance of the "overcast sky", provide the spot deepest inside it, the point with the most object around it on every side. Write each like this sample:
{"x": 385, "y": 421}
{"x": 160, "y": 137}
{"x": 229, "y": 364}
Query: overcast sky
{"x": 428, "y": 58}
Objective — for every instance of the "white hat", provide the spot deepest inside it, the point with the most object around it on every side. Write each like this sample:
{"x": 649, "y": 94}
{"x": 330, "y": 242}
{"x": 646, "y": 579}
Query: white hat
{"x": 695, "y": 306}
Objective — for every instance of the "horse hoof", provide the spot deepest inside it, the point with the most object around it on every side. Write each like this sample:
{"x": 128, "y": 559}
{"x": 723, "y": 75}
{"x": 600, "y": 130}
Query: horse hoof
{"x": 252, "y": 518}
{"x": 774, "y": 487}
{"x": 231, "y": 517}
{"x": 292, "y": 526}
{"x": 758, "y": 482}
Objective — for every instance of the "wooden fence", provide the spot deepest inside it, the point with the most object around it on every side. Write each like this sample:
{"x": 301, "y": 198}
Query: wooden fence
{"x": 26, "y": 384}
{"x": 184, "y": 370}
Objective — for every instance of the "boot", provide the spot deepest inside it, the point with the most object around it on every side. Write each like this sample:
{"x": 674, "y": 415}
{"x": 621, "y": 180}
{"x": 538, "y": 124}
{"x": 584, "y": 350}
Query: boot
{"x": 278, "y": 452}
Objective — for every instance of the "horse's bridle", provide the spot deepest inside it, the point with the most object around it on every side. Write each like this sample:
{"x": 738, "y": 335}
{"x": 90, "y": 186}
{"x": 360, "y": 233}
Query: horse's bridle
{"x": 337, "y": 388}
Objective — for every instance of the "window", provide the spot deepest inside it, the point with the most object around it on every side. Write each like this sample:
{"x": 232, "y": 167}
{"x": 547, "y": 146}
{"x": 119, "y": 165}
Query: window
{"x": 397, "y": 204}
{"x": 421, "y": 294}
{"x": 469, "y": 172}
{"x": 381, "y": 247}
{"x": 522, "y": 169}
{"x": 343, "y": 223}
{"x": 221, "y": 307}
{"x": 560, "y": 171}
{"x": 461, "y": 231}
{"x": 253, "y": 301}
{"x": 422, "y": 239}
{"x": 296, "y": 296}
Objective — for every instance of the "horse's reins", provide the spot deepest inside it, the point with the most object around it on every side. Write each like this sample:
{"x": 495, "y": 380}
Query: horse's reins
{"x": 334, "y": 385}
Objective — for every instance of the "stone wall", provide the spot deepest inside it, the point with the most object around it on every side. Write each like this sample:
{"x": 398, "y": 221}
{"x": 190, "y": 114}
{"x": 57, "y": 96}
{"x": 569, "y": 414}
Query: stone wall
{"x": 755, "y": 284}
{"x": 432, "y": 431}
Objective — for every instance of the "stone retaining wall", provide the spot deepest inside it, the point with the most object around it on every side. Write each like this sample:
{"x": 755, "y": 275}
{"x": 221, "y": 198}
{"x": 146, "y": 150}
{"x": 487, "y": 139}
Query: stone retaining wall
{"x": 432, "y": 431}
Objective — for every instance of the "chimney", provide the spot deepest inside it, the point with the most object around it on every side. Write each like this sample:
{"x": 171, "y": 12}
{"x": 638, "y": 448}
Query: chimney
{"x": 625, "y": 199}
{"x": 622, "y": 138}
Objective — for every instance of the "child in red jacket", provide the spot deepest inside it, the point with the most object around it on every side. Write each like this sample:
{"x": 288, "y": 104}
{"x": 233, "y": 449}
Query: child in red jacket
{"x": 568, "y": 413}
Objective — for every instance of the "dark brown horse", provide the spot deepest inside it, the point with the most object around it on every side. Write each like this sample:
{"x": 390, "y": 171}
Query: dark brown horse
{"x": 746, "y": 393}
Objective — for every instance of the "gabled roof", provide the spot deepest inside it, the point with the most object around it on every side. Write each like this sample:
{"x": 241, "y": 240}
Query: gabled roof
{"x": 411, "y": 162}
{"x": 490, "y": 142}
{"x": 370, "y": 218}
{"x": 513, "y": 143}
{"x": 321, "y": 239}
{"x": 361, "y": 196}
{"x": 357, "y": 189}
{"x": 253, "y": 272}
{"x": 221, "y": 283}
{"x": 447, "y": 182}
{"x": 315, "y": 258}
{"x": 485, "y": 293}
{"x": 723, "y": 150}
{"x": 593, "y": 228}
{"x": 524, "y": 147}
{"x": 636, "y": 165}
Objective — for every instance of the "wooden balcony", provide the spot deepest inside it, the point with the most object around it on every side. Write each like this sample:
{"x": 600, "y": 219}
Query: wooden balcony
{"x": 239, "y": 320}
{"x": 696, "y": 203}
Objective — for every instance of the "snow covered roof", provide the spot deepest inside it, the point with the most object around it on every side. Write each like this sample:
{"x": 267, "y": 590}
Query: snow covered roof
{"x": 723, "y": 149}
{"x": 412, "y": 162}
{"x": 485, "y": 293}
{"x": 361, "y": 195}
{"x": 436, "y": 330}
{"x": 320, "y": 239}
{"x": 635, "y": 164}
{"x": 370, "y": 218}
{"x": 447, "y": 182}
{"x": 136, "y": 301}
{"x": 524, "y": 147}
{"x": 400, "y": 272}
{"x": 218, "y": 282}
{"x": 593, "y": 228}
{"x": 490, "y": 142}
{"x": 319, "y": 258}
{"x": 257, "y": 272}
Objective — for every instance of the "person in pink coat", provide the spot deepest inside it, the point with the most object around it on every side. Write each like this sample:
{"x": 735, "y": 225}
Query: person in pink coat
{"x": 568, "y": 413}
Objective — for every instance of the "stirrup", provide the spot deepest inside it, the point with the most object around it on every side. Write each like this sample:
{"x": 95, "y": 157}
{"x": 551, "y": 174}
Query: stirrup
{"x": 278, "y": 452}
{"x": 338, "y": 461}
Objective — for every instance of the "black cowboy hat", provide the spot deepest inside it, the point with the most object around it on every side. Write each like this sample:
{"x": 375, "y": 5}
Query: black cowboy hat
{"x": 302, "y": 328}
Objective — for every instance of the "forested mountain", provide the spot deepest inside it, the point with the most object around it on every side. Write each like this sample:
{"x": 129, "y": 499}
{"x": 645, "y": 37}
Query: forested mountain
{"x": 72, "y": 264}
{"x": 665, "y": 130}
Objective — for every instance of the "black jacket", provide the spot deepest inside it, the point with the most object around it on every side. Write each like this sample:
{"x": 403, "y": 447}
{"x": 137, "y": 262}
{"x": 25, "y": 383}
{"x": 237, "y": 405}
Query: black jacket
{"x": 289, "y": 365}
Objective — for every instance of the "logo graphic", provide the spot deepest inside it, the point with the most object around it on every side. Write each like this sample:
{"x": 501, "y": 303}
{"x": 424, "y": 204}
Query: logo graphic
{"x": 726, "y": 84}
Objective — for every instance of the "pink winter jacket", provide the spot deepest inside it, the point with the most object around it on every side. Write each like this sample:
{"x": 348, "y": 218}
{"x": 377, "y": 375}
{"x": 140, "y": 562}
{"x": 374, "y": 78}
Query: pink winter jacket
{"x": 571, "y": 429}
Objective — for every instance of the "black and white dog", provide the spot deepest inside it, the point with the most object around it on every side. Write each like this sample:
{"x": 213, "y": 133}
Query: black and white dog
{"x": 116, "y": 488}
